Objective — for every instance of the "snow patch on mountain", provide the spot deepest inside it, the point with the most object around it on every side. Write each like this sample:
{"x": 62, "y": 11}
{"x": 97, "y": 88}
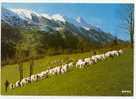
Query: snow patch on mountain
{"x": 86, "y": 28}
{"x": 78, "y": 19}
{"x": 82, "y": 23}
{"x": 58, "y": 17}
{"x": 58, "y": 28}
{"x": 25, "y": 14}
{"x": 46, "y": 16}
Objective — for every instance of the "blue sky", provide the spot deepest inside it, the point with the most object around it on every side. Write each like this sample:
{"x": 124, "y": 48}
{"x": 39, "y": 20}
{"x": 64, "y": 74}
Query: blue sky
{"x": 104, "y": 16}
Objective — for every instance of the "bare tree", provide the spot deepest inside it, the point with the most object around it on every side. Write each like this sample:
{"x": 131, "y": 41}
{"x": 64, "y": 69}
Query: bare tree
{"x": 127, "y": 20}
{"x": 31, "y": 67}
{"x": 20, "y": 69}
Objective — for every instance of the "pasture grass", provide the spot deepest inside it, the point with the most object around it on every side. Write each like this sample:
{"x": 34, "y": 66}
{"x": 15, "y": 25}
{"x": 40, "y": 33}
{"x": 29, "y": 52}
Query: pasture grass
{"x": 106, "y": 78}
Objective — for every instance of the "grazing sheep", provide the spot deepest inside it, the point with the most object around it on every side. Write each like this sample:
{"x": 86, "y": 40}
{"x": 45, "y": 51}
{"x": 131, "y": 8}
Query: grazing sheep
{"x": 111, "y": 53}
{"x": 18, "y": 84}
{"x": 120, "y": 51}
{"x": 115, "y": 53}
{"x": 34, "y": 77}
{"x": 94, "y": 59}
{"x": 11, "y": 86}
{"x": 58, "y": 69}
{"x": 65, "y": 67}
{"x": 99, "y": 57}
{"x": 103, "y": 56}
{"x": 87, "y": 60}
{"x": 45, "y": 73}
{"x": 70, "y": 65}
{"x": 40, "y": 76}
{"x": 91, "y": 62}
{"x": 23, "y": 82}
{"x": 107, "y": 54}
{"x": 80, "y": 63}
{"x": 52, "y": 71}
{"x": 62, "y": 71}
{"x": 28, "y": 79}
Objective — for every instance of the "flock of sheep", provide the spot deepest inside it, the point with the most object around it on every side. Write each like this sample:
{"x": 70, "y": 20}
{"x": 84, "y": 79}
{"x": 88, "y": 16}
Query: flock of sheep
{"x": 81, "y": 63}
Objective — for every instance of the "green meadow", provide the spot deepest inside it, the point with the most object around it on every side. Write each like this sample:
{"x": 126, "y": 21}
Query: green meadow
{"x": 105, "y": 78}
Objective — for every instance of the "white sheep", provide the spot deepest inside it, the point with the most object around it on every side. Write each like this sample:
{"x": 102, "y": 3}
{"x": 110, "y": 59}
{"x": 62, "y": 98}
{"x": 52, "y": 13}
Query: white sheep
{"x": 58, "y": 69}
{"x": 34, "y": 77}
{"x": 102, "y": 56}
{"x": 87, "y": 60}
{"x": 45, "y": 73}
{"x": 62, "y": 71}
{"x": 11, "y": 86}
{"x": 115, "y": 53}
{"x": 70, "y": 65}
{"x": 112, "y": 53}
{"x": 64, "y": 68}
{"x": 120, "y": 51}
{"x": 40, "y": 76}
{"x": 28, "y": 79}
{"x": 17, "y": 84}
{"x": 23, "y": 82}
{"x": 94, "y": 58}
{"x": 52, "y": 71}
{"x": 80, "y": 63}
{"x": 107, "y": 54}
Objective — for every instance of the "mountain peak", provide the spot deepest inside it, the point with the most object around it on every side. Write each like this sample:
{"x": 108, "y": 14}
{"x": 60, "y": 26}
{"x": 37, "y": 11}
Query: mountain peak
{"x": 82, "y": 23}
{"x": 78, "y": 19}
{"x": 46, "y": 16}
{"x": 25, "y": 13}
{"x": 58, "y": 17}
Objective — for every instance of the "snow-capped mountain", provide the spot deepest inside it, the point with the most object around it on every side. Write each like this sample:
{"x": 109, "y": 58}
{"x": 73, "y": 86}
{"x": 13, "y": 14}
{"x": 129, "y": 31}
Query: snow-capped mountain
{"x": 28, "y": 16}
{"x": 55, "y": 22}
{"x": 32, "y": 17}
{"x": 25, "y": 14}
{"x": 58, "y": 17}
{"x": 46, "y": 16}
{"x": 82, "y": 23}
{"x": 11, "y": 18}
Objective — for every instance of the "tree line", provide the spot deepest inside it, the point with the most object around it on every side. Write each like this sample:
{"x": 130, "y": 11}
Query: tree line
{"x": 23, "y": 44}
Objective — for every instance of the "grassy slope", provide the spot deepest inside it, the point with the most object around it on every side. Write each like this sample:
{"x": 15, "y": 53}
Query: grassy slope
{"x": 107, "y": 77}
